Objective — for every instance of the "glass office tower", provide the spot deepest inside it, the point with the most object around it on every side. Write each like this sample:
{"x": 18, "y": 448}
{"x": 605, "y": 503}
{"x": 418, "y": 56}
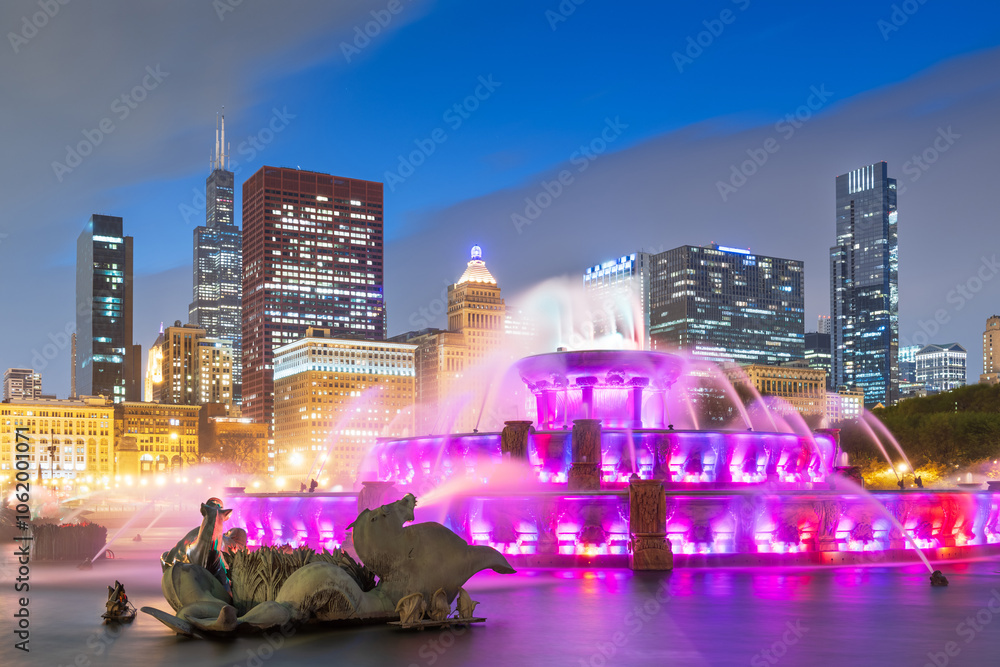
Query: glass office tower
{"x": 727, "y": 304}
{"x": 104, "y": 309}
{"x": 864, "y": 290}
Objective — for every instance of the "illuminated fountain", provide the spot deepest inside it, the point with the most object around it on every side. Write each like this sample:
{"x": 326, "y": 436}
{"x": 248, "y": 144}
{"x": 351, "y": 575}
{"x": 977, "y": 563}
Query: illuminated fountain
{"x": 600, "y": 475}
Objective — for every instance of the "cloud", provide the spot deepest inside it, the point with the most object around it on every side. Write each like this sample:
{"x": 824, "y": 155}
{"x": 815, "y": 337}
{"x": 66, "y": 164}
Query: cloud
{"x": 663, "y": 192}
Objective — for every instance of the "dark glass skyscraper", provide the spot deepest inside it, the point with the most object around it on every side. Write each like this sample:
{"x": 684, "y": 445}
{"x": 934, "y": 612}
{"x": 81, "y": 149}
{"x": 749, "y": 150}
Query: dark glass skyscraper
{"x": 218, "y": 262}
{"x": 104, "y": 310}
{"x": 864, "y": 285}
{"x": 727, "y": 304}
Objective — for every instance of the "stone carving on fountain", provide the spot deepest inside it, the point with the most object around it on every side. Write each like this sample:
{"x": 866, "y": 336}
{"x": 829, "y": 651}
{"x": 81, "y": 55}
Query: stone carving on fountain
{"x": 828, "y": 513}
{"x": 514, "y": 440}
{"x": 648, "y": 546}
{"x": 585, "y": 471}
{"x": 863, "y": 532}
{"x": 426, "y": 560}
{"x": 796, "y": 520}
{"x": 702, "y": 513}
{"x": 745, "y": 512}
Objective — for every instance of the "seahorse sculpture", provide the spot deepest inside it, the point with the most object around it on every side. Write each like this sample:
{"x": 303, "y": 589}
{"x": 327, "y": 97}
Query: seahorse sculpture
{"x": 425, "y": 558}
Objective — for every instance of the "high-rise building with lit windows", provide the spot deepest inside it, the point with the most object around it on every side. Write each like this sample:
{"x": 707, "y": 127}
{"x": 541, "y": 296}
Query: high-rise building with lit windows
{"x": 312, "y": 257}
{"x": 941, "y": 367}
{"x": 333, "y": 397}
{"x": 991, "y": 352}
{"x": 864, "y": 285}
{"x": 218, "y": 261}
{"x": 455, "y": 367}
{"x": 620, "y": 303}
{"x": 725, "y": 304}
{"x": 22, "y": 383}
{"x": 104, "y": 311}
{"x": 817, "y": 353}
{"x": 186, "y": 367}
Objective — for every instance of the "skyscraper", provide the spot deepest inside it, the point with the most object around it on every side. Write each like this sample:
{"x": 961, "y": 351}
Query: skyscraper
{"x": 218, "y": 261}
{"x": 104, "y": 310}
{"x": 312, "y": 257}
{"x": 621, "y": 288}
{"x": 453, "y": 366}
{"x": 991, "y": 352}
{"x": 864, "y": 285}
{"x": 727, "y": 304}
{"x": 72, "y": 367}
{"x": 185, "y": 367}
{"x": 817, "y": 349}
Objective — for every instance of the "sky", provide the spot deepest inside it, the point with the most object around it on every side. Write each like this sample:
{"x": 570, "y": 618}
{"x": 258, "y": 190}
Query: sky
{"x": 644, "y": 108}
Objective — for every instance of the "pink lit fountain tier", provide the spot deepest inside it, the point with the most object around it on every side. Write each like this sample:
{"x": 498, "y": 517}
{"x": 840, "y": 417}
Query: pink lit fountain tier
{"x": 627, "y": 392}
{"x": 601, "y": 478}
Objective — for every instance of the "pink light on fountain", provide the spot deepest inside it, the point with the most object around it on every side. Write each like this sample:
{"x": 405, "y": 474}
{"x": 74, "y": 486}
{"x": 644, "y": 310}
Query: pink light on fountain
{"x": 597, "y": 384}
{"x": 732, "y": 496}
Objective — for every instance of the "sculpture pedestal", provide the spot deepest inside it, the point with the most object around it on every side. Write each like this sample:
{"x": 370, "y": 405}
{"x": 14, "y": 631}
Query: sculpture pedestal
{"x": 583, "y": 477}
{"x": 585, "y": 472}
{"x": 647, "y": 506}
{"x": 650, "y": 551}
{"x": 514, "y": 440}
{"x": 827, "y": 544}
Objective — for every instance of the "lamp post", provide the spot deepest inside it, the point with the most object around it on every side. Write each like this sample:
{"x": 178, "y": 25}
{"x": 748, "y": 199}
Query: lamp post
{"x": 52, "y": 460}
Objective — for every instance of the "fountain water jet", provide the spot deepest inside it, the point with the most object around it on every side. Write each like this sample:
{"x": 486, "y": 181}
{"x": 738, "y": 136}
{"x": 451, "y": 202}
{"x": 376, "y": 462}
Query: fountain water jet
{"x": 733, "y": 497}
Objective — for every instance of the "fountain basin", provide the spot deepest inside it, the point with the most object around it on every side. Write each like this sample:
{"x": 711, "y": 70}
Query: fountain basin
{"x": 704, "y": 527}
{"x": 679, "y": 457}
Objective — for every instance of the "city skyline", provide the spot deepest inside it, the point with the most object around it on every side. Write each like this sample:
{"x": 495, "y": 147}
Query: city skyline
{"x": 673, "y": 159}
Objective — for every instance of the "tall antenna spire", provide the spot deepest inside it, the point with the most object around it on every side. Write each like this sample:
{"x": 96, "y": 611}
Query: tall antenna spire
{"x": 224, "y": 156}
{"x": 215, "y": 156}
{"x": 220, "y": 159}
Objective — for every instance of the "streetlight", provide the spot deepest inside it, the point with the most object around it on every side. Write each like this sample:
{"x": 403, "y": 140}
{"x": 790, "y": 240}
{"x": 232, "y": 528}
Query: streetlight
{"x": 52, "y": 460}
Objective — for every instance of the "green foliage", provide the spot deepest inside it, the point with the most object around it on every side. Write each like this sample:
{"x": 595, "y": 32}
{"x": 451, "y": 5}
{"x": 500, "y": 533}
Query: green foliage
{"x": 956, "y": 428}
{"x": 983, "y": 398}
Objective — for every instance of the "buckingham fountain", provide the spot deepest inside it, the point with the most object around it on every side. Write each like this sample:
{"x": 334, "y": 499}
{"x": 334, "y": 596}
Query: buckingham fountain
{"x": 600, "y": 477}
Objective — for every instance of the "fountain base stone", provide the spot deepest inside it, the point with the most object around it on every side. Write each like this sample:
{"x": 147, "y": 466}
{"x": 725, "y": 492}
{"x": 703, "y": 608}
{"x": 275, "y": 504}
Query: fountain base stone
{"x": 584, "y": 477}
{"x": 651, "y": 552}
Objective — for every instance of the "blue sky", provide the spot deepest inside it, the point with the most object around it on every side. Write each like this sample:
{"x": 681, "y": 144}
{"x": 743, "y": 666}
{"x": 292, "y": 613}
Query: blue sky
{"x": 554, "y": 84}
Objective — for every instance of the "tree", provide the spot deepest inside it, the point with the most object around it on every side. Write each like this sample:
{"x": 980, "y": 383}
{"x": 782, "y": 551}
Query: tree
{"x": 240, "y": 452}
